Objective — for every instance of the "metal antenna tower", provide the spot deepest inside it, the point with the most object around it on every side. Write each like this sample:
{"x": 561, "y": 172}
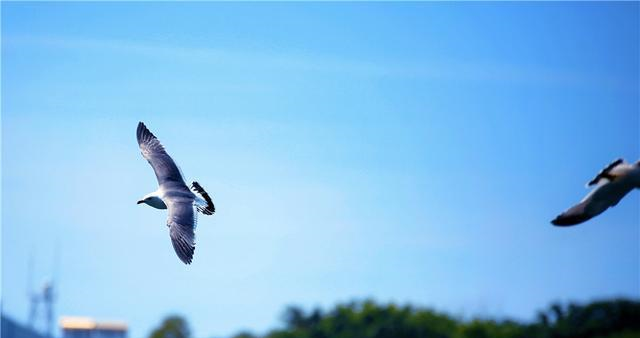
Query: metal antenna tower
{"x": 45, "y": 297}
{"x": 32, "y": 295}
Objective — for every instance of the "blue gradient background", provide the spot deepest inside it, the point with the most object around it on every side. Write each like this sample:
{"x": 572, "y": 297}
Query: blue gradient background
{"x": 409, "y": 152}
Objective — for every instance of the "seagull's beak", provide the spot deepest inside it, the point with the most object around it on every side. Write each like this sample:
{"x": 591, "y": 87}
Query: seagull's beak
{"x": 140, "y": 201}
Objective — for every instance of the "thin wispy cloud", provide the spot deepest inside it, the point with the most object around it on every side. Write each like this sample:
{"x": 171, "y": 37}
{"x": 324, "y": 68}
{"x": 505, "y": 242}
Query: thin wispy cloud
{"x": 309, "y": 61}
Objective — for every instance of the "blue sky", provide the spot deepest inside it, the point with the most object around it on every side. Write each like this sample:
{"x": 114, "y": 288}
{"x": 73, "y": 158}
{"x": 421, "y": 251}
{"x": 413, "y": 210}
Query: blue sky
{"x": 409, "y": 152}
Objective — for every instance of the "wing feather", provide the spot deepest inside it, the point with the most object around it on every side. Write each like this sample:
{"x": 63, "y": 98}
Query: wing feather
{"x": 182, "y": 223}
{"x": 152, "y": 150}
{"x": 595, "y": 203}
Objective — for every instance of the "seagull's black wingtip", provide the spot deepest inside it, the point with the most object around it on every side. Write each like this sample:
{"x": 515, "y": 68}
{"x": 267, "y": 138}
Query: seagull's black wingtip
{"x": 143, "y": 133}
{"x": 141, "y": 127}
{"x": 189, "y": 258}
{"x": 567, "y": 221}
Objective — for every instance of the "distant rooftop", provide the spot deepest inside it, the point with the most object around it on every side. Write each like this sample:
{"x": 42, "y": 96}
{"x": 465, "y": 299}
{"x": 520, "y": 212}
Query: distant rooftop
{"x": 85, "y": 323}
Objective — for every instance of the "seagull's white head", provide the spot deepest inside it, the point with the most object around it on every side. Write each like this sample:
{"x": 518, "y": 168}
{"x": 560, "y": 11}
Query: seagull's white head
{"x": 153, "y": 200}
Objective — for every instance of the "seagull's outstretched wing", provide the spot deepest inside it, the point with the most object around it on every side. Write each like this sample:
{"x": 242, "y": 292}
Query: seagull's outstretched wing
{"x": 182, "y": 222}
{"x": 576, "y": 214}
{"x": 162, "y": 164}
{"x": 596, "y": 202}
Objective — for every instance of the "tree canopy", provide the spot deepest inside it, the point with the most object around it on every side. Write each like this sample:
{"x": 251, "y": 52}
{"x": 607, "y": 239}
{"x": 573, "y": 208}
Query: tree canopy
{"x": 618, "y": 318}
{"x": 172, "y": 327}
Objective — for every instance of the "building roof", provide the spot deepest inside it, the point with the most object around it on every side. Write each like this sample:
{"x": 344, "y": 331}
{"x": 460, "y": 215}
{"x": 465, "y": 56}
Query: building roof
{"x": 85, "y": 323}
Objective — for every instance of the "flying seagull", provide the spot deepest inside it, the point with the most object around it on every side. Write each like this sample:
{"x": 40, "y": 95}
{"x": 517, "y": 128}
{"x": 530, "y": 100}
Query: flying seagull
{"x": 612, "y": 184}
{"x": 173, "y": 194}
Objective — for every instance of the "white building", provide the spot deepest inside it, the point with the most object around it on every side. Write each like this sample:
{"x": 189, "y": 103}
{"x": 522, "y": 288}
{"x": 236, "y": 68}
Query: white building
{"x": 81, "y": 327}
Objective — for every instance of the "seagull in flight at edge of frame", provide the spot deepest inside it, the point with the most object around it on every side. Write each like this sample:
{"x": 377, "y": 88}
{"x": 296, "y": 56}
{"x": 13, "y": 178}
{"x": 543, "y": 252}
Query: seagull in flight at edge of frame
{"x": 612, "y": 184}
{"x": 173, "y": 194}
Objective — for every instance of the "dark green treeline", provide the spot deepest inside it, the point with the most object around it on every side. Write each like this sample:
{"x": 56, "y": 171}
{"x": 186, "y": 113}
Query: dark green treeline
{"x": 619, "y": 318}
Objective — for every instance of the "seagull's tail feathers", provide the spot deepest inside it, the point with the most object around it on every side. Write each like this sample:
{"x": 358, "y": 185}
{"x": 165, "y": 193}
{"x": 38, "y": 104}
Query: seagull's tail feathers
{"x": 206, "y": 208}
{"x": 605, "y": 175}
